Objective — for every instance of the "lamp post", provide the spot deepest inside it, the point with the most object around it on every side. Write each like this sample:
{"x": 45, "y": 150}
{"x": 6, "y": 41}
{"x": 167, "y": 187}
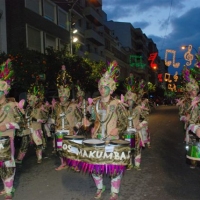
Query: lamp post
{"x": 70, "y": 28}
{"x": 73, "y": 3}
{"x": 189, "y": 47}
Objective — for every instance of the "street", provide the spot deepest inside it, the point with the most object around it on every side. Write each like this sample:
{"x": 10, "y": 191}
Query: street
{"x": 164, "y": 173}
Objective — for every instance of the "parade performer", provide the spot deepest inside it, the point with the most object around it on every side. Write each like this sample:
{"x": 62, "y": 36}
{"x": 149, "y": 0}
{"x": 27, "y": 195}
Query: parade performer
{"x": 23, "y": 132}
{"x": 66, "y": 119}
{"x": 49, "y": 122}
{"x": 144, "y": 105}
{"x": 110, "y": 119}
{"x": 193, "y": 128}
{"x": 134, "y": 113}
{"x": 184, "y": 102}
{"x": 7, "y": 127}
{"x": 84, "y": 127}
{"x": 35, "y": 116}
{"x": 79, "y": 107}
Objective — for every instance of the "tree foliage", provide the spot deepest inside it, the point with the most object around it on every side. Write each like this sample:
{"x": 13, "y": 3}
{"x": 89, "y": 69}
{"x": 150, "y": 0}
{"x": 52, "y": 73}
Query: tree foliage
{"x": 29, "y": 65}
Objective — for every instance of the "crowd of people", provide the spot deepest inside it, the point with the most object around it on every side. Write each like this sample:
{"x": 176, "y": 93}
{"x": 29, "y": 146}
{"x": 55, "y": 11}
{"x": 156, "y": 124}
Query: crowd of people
{"x": 104, "y": 118}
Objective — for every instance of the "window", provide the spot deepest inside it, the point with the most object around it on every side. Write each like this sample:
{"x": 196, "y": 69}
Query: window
{"x": 34, "y": 38}
{"x": 80, "y": 23}
{"x": 88, "y": 48}
{"x": 34, "y": 5}
{"x": 61, "y": 44}
{"x": 51, "y": 41}
{"x": 62, "y": 19}
{"x": 50, "y": 11}
{"x": 95, "y": 50}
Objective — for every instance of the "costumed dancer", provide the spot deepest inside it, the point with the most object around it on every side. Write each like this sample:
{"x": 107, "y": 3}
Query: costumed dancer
{"x": 66, "y": 119}
{"x": 134, "y": 114}
{"x": 184, "y": 102}
{"x": 51, "y": 119}
{"x": 144, "y": 105}
{"x": 23, "y": 132}
{"x": 35, "y": 116}
{"x": 83, "y": 127}
{"x": 193, "y": 128}
{"x": 49, "y": 122}
{"x": 7, "y": 127}
{"x": 110, "y": 119}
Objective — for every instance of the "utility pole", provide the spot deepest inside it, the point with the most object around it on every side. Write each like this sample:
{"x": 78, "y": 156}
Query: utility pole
{"x": 71, "y": 37}
{"x": 70, "y": 28}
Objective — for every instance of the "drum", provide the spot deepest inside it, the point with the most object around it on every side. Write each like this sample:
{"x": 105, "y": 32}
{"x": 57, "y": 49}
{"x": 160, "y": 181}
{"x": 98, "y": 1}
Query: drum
{"x": 74, "y": 138}
{"x": 120, "y": 142}
{"x": 5, "y": 150}
{"x": 59, "y": 138}
{"x": 94, "y": 155}
{"x": 193, "y": 151}
{"x": 93, "y": 142}
{"x": 130, "y": 136}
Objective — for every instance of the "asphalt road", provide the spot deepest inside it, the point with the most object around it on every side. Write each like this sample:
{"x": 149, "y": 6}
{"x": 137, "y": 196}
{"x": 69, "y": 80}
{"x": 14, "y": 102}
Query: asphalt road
{"x": 165, "y": 173}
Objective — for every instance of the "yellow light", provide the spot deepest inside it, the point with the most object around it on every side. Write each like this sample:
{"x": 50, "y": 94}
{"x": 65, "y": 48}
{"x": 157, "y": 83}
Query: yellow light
{"x": 75, "y": 39}
{"x": 183, "y": 47}
{"x": 75, "y": 31}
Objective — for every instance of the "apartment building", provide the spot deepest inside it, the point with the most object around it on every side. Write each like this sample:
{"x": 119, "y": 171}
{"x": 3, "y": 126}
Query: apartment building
{"x": 3, "y": 31}
{"x": 38, "y": 24}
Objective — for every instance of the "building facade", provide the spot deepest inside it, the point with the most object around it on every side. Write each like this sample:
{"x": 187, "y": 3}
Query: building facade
{"x": 38, "y": 24}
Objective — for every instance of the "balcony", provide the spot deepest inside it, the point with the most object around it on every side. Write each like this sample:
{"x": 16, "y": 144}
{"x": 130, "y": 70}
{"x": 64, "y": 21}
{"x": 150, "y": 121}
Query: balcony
{"x": 94, "y": 37}
{"x": 139, "y": 40}
{"x": 93, "y": 16}
{"x": 96, "y": 3}
{"x": 77, "y": 13}
{"x": 96, "y": 57}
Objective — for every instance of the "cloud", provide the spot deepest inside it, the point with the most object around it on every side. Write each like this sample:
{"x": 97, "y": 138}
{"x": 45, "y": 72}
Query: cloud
{"x": 142, "y": 24}
{"x": 170, "y": 24}
{"x": 117, "y": 9}
{"x": 185, "y": 31}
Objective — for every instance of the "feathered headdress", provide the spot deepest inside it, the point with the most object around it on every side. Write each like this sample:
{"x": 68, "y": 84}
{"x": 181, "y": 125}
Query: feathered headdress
{"x": 130, "y": 85}
{"x": 64, "y": 82}
{"x": 6, "y": 76}
{"x": 141, "y": 88}
{"x": 80, "y": 93}
{"x": 190, "y": 82}
{"x": 186, "y": 74}
{"x": 110, "y": 76}
{"x": 36, "y": 92}
{"x": 197, "y": 56}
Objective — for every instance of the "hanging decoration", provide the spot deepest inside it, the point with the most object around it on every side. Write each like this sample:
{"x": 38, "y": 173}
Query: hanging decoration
{"x": 167, "y": 78}
{"x": 137, "y": 62}
{"x": 175, "y": 76}
{"x": 160, "y": 77}
{"x": 171, "y": 82}
{"x": 152, "y": 58}
{"x": 188, "y": 56}
{"x": 171, "y": 62}
{"x": 172, "y": 87}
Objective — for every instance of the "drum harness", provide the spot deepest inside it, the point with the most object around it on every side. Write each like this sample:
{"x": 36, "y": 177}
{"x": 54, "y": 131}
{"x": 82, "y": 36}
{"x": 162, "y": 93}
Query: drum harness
{"x": 102, "y": 120}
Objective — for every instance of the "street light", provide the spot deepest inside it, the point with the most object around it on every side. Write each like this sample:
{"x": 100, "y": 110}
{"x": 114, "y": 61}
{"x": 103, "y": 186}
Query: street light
{"x": 71, "y": 31}
{"x": 189, "y": 47}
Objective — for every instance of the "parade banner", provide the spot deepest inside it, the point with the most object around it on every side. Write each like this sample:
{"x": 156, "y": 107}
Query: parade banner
{"x": 109, "y": 158}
